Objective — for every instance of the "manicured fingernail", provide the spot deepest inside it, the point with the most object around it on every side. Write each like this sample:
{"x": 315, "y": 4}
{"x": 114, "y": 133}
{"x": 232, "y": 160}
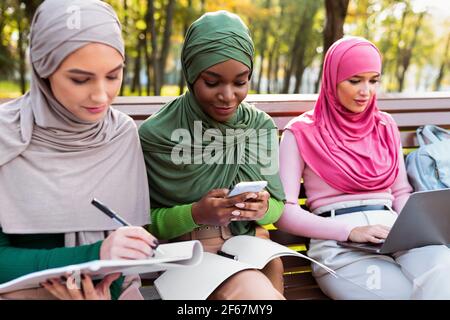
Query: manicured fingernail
{"x": 240, "y": 205}
{"x": 236, "y": 213}
{"x": 251, "y": 196}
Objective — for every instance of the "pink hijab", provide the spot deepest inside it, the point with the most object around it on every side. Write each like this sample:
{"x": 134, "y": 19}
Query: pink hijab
{"x": 352, "y": 152}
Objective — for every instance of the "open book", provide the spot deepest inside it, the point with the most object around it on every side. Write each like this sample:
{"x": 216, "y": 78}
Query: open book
{"x": 168, "y": 256}
{"x": 243, "y": 252}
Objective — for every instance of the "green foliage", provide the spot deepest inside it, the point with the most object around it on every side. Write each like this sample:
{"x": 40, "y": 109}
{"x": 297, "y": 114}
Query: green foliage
{"x": 391, "y": 24}
{"x": 9, "y": 89}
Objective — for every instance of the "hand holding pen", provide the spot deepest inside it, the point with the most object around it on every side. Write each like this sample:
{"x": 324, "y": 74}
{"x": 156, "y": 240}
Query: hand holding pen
{"x": 126, "y": 243}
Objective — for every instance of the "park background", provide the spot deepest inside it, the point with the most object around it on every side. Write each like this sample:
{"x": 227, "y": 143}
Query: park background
{"x": 290, "y": 38}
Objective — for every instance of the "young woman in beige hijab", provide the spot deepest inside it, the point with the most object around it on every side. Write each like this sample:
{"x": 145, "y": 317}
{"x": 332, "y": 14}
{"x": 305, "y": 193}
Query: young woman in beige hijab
{"x": 61, "y": 145}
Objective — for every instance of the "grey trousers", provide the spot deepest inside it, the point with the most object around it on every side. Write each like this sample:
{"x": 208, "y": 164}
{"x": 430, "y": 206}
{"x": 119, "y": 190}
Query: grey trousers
{"x": 420, "y": 273}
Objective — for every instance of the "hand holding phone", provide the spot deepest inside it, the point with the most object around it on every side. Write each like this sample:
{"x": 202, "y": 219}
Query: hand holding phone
{"x": 248, "y": 186}
{"x": 218, "y": 207}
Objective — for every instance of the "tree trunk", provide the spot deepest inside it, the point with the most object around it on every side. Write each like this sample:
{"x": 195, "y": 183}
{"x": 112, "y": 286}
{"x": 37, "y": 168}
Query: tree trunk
{"x": 270, "y": 66}
{"x": 272, "y": 72}
{"x": 401, "y": 50}
{"x": 2, "y": 20}
{"x": 293, "y": 62}
{"x": 445, "y": 62}
{"x": 136, "y": 83}
{"x": 262, "y": 47}
{"x": 30, "y": 8}
{"x": 406, "y": 59}
{"x": 148, "y": 63}
{"x": 202, "y": 6}
{"x": 187, "y": 21}
{"x": 336, "y": 11}
{"x": 276, "y": 67}
{"x": 166, "y": 43}
{"x": 298, "y": 78}
{"x": 150, "y": 20}
{"x": 305, "y": 31}
{"x": 125, "y": 27}
{"x": 297, "y": 64}
{"x": 21, "y": 47}
{"x": 260, "y": 71}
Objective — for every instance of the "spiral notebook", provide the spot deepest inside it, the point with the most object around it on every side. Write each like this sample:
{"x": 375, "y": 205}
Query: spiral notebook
{"x": 174, "y": 255}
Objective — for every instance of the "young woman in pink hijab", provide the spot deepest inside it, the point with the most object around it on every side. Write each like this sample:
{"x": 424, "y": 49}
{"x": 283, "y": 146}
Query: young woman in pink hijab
{"x": 349, "y": 155}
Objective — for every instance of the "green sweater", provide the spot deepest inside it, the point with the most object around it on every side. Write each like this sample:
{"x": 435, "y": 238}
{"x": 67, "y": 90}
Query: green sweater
{"x": 24, "y": 254}
{"x": 168, "y": 223}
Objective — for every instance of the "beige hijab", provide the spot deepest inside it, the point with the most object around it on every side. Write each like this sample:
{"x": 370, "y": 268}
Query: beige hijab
{"x": 51, "y": 163}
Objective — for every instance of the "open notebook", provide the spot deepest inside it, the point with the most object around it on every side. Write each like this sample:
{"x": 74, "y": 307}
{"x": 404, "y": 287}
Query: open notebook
{"x": 242, "y": 252}
{"x": 169, "y": 256}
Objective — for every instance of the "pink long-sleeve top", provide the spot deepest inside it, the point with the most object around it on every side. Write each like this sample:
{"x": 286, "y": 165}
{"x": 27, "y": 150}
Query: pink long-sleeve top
{"x": 299, "y": 221}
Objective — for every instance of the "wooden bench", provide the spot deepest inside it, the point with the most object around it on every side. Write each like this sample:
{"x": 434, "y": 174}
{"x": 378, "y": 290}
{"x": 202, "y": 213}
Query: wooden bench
{"x": 409, "y": 111}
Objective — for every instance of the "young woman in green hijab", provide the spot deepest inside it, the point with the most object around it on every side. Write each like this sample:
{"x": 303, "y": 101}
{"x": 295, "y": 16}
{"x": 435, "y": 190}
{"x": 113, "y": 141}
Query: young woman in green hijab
{"x": 206, "y": 141}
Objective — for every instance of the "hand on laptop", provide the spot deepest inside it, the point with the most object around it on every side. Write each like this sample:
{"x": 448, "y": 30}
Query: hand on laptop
{"x": 376, "y": 233}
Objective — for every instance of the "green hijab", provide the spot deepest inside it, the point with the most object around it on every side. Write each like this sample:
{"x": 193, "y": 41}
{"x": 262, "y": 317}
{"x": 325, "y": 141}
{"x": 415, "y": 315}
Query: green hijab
{"x": 188, "y": 153}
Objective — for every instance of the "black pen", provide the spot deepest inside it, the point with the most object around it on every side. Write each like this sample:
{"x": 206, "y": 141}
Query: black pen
{"x": 110, "y": 213}
{"x": 116, "y": 218}
{"x": 226, "y": 255}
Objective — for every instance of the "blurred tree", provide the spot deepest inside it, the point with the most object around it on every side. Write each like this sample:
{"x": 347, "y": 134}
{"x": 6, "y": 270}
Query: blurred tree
{"x": 170, "y": 7}
{"x": 152, "y": 60}
{"x": 336, "y": 11}
{"x": 290, "y": 36}
{"x": 444, "y": 64}
{"x": 24, "y": 17}
{"x": 403, "y": 37}
{"x": 6, "y": 55}
{"x": 124, "y": 31}
{"x": 264, "y": 31}
{"x": 406, "y": 45}
{"x": 187, "y": 18}
{"x": 299, "y": 61}
{"x": 15, "y": 20}
{"x": 159, "y": 53}
{"x": 21, "y": 45}
{"x": 273, "y": 44}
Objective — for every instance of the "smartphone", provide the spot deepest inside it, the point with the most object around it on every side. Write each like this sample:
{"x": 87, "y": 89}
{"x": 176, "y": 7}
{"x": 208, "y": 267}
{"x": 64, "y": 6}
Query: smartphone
{"x": 248, "y": 186}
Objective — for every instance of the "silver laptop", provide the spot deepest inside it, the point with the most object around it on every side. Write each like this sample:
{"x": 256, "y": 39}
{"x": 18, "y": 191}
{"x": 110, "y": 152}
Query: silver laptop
{"x": 424, "y": 220}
